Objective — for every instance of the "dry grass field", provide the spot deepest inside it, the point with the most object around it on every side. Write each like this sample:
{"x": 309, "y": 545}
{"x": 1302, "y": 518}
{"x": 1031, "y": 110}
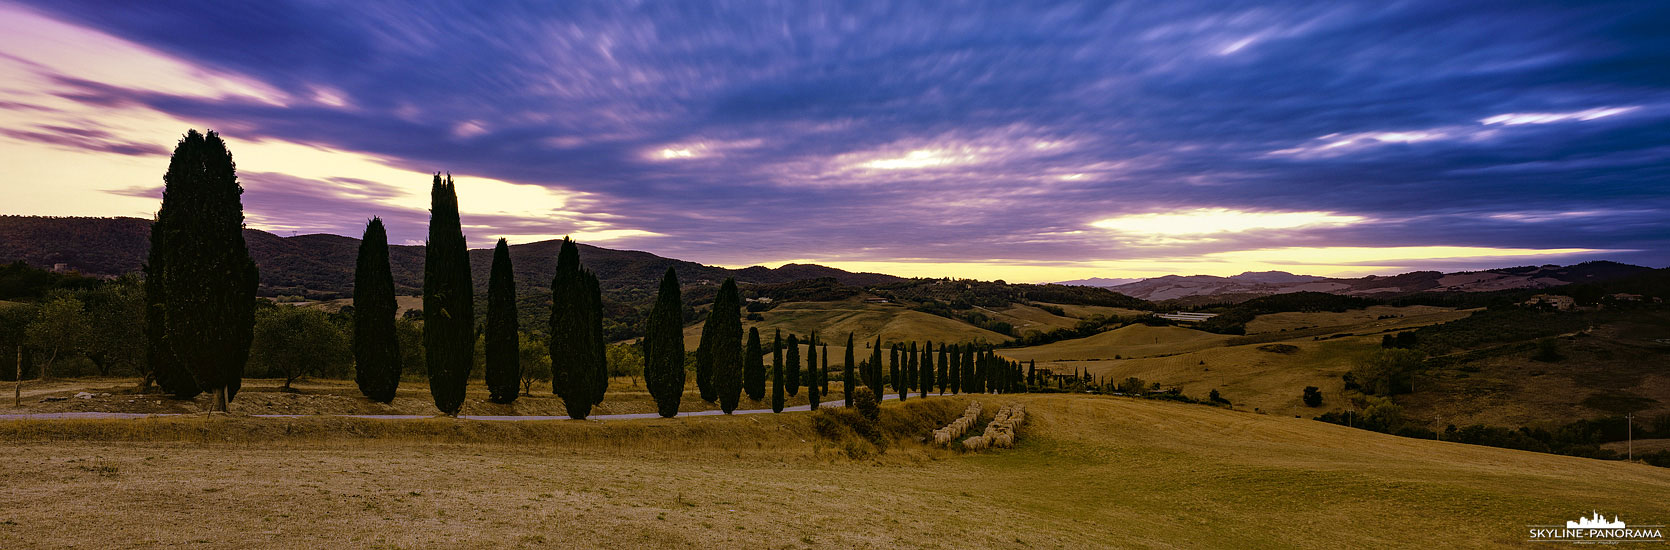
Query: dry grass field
{"x": 1372, "y": 317}
{"x": 1090, "y": 472}
{"x": 833, "y": 320}
{"x": 1250, "y": 375}
{"x": 1126, "y": 342}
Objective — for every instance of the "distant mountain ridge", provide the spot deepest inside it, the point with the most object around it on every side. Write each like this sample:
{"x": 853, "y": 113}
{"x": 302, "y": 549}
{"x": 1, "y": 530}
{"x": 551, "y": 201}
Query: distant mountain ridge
{"x": 1246, "y": 285}
{"x": 322, "y": 265}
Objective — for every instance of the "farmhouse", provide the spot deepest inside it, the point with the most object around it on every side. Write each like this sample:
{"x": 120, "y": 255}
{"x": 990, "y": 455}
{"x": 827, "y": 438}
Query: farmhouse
{"x": 1186, "y": 317}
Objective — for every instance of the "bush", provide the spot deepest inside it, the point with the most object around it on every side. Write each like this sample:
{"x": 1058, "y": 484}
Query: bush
{"x": 864, "y": 400}
{"x": 1313, "y": 396}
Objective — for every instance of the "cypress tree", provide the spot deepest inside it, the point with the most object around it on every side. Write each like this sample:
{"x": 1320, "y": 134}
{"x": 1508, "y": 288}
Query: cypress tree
{"x": 753, "y": 366}
{"x": 912, "y": 365}
{"x": 448, "y": 301}
{"x": 171, "y": 376}
{"x": 205, "y": 278}
{"x": 847, "y": 378}
{"x": 776, "y": 387}
{"x": 927, "y": 380}
{"x": 777, "y": 350}
{"x": 896, "y": 371}
{"x": 812, "y": 378}
{"x": 727, "y": 345}
{"x": 504, "y": 347}
{"x": 940, "y": 376}
{"x": 955, "y": 367}
{"x": 812, "y": 373}
{"x": 872, "y": 377}
{"x": 791, "y": 367}
{"x": 600, "y": 351}
{"x": 575, "y": 318}
{"x": 376, "y": 347}
{"x": 664, "y": 347}
{"x": 824, "y": 376}
{"x": 1032, "y": 373}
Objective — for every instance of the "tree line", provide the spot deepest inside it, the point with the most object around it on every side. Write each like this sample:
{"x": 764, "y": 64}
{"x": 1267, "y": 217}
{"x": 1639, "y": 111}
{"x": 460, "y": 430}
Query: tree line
{"x": 199, "y": 326}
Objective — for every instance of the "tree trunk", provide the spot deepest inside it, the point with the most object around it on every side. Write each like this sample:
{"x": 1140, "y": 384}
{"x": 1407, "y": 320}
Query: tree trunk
{"x": 17, "y": 388}
{"x": 217, "y": 403}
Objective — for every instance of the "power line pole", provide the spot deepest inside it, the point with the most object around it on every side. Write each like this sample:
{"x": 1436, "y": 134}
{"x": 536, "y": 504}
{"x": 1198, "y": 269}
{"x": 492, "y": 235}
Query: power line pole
{"x": 1629, "y": 428}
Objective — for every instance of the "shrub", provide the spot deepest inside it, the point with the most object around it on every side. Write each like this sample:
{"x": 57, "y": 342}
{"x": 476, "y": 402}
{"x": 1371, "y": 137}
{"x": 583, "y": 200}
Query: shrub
{"x": 1313, "y": 396}
{"x": 864, "y": 401}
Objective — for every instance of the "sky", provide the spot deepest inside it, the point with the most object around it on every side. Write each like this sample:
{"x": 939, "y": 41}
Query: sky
{"x": 1026, "y": 141}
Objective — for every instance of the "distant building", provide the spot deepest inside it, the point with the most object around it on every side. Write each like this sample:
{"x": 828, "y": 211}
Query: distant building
{"x": 60, "y": 268}
{"x": 877, "y": 301}
{"x": 1562, "y": 303}
{"x": 1186, "y": 317}
{"x": 762, "y": 299}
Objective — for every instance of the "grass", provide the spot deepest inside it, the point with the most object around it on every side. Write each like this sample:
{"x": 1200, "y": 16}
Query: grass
{"x": 833, "y": 320}
{"x": 1129, "y": 341}
{"x": 1090, "y": 472}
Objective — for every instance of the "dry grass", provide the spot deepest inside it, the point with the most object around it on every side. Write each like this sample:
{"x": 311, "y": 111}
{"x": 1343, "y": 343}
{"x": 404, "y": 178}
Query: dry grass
{"x": 1126, "y": 342}
{"x": 324, "y": 396}
{"x": 1368, "y": 319}
{"x": 1095, "y": 472}
{"x": 833, "y": 320}
{"x": 1085, "y": 312}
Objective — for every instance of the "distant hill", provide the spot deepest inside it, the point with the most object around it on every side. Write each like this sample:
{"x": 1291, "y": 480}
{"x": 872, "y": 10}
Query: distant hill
{"x": 1249, "y": 285}
{"x": 1099, "y": 281}
{"x": 322, "y": 266}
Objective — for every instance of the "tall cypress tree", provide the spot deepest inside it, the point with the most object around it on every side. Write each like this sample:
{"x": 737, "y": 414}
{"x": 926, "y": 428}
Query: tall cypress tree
{"x": 847, "y": 376}
{"x": 901, "y": 360}
{"x": 892, "y": 367}
{"x": 753, "y": 366}
{"x": 448, "y": 301}
{"x": 727, "y": 345}
{"x": 873, "y": 377}
{"x": 812, "y": 382}
{"x": 664, "y": 347}
{"x": 376, "y": 347}
{"x": 576, "y": 316}
{"x": 776, "y": 387}
{"x": 171, "y": 376}
{"x": 927, "y": 380}
{"x": 205, "y": 278}
{"x": 600, "y": 352}
{"x": 824, "y": 376}
{"x": 912, "y": 367}
{"x": 777, "y": 350}
{"x": 791, "y": 367}
{"x": 812, "y": 377}
{"x": 504, "y": 347}
{"x": 955, "y": 368}
{"x": 940, "y": 376}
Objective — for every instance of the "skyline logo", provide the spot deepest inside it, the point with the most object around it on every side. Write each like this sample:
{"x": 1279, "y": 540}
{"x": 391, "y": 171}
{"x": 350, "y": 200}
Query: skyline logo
{"x": 1595, "y": 529}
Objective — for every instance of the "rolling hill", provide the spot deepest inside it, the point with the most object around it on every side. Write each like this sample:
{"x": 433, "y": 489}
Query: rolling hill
{"x": 1250, "y": 284}
{"x": 321, "y": 266}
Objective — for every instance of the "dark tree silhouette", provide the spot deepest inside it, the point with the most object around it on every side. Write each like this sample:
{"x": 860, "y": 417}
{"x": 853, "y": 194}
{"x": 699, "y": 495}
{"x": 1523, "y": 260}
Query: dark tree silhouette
{"x": 577, "y": 356}
{"x": 791, "y": 367}
{"x": 872, "y": 377}
{"x": 376, "y": 345}
{"x": 726, "y": 347}
{"x": 813, "y": 379}
{"x": 777, "y": 387}
{"x": 926, "y": 380}
{"x": 205, "y": 280}
{"x": 848, "y": 378}
{"x": 448, "y": 301}
{"x": 823, "y": 377}
{"x": 664, "y": 347}
{"x": 753, "y": 366}
{"x": 504, "y": 361}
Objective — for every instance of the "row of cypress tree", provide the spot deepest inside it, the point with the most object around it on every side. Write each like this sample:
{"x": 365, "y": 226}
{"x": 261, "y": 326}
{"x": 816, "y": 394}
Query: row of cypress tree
{"x": 200, "y": 290}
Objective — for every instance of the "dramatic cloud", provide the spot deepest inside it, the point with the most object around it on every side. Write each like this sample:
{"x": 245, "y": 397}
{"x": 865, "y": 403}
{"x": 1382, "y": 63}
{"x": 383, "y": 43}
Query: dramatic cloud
{"x": 984, "y": 139}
